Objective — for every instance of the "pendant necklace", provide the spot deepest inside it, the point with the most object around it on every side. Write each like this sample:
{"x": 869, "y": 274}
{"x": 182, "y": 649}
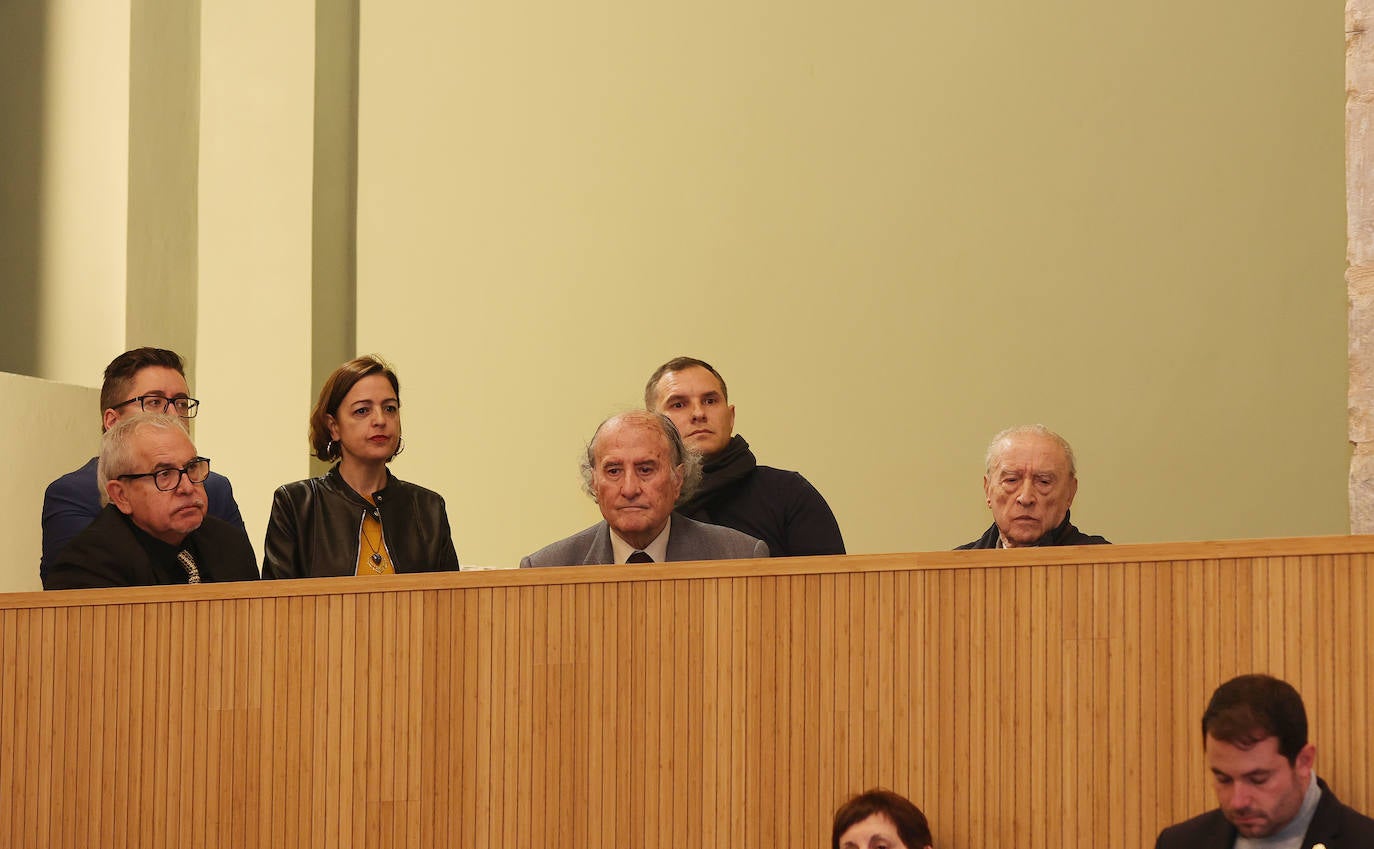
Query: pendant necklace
{"x": 376, "y": 556}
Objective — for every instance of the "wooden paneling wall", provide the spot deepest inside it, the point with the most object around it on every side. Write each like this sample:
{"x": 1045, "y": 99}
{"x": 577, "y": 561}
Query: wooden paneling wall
{"x": 1031, "y": 699}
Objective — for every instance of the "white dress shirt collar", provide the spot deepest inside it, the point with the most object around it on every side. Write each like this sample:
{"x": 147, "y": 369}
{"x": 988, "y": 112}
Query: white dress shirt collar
{"x": 658, "y": 549}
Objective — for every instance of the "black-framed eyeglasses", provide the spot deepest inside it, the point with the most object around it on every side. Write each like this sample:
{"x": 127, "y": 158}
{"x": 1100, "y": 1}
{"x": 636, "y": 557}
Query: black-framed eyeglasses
{"x": 184, "y": 407}
{"x": 169, "y": 479}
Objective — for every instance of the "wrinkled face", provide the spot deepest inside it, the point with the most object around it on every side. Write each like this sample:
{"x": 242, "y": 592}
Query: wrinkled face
{"x": 635, "y": 481}
{"x": 367, "y": 424}
{"x": 153, "y": 380}
{"x": 1029, "y": 487}
{"x": 168, "y": 516}
{"x": 693, "y": 399}
{"x": 876, "y": 832}
{"x": 1258, "y": 790}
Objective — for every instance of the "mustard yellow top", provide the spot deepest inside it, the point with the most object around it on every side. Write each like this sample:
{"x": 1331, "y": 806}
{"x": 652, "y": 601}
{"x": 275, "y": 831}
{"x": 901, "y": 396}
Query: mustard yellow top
{"x": 373, "y": 558}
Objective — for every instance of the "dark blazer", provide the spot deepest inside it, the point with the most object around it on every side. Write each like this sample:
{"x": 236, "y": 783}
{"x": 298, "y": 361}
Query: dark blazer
{"x": 73, "y": 501}
{"x": 107, "y": 554}
{"x": 687, "y": 540}
{"x": 1333, "y": 824}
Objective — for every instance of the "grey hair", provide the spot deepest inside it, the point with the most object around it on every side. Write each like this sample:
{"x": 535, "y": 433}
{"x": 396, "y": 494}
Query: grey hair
{"x": 994, "y": 447}
{"x": 116, "y": 446}
{"x": 681, "y": 454}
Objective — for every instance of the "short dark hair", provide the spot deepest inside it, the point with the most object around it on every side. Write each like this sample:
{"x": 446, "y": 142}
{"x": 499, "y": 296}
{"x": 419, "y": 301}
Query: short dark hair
{"x": 678, "y": 364}
{"x": 1249, "y": 708}
{"x": 336, "y": 386}
{"x": 910, "y": 822}
{"x": 121, "y": 370}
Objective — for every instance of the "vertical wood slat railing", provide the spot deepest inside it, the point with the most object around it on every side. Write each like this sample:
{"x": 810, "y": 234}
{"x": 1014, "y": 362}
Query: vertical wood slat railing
{"x": 1040, "y": 699}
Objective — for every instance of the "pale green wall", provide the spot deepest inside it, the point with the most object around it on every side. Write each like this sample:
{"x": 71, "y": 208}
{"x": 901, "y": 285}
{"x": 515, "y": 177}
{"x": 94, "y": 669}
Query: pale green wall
{"x": 895, "y": 227}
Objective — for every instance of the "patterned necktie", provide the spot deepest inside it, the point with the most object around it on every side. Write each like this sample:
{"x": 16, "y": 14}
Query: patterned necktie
{"x": 193, "y": 574}
{"x": 639, "y": 557}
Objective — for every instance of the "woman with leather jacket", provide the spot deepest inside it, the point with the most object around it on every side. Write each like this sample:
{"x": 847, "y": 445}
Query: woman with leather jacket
{"x": 358, "y": 519}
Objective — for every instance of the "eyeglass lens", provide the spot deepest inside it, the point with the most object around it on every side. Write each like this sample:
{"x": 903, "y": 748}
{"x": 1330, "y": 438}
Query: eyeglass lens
{"x": 169, "y": 479}
{"x": 158, "y": 404}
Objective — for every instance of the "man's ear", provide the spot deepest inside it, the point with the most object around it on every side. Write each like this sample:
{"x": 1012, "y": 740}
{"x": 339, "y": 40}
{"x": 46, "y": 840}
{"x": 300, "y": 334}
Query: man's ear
{"x": 987, "y": 493}
{"x": 107, "y": 420}
{"x": 1307, "y": 756}
{"x": 118, "y": 494}
{"x": 1073, "y": 490}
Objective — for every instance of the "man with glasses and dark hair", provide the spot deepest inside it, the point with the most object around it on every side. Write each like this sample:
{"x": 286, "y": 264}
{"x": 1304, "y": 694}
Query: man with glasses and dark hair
{"x": 154, "y": 528}
{"x": 144, "y": 380}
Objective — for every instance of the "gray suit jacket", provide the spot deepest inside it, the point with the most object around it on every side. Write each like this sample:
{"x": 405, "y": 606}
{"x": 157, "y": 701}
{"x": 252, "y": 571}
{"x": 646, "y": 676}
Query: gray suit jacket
{"x": 687, "y": 540}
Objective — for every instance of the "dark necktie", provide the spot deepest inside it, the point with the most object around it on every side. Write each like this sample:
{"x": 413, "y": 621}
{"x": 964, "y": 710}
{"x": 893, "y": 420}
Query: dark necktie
{"x": 192, "y": 573}
{"x": 639, "y": 557}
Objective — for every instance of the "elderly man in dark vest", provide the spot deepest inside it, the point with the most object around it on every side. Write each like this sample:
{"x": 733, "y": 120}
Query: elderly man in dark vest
{"x": 1029, "y": 482}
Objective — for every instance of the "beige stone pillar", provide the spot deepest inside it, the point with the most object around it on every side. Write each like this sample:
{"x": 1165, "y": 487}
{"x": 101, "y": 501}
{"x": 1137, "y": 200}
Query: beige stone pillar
{"x": 64, "y": 141}
{"x": 256, "y": 174}
{"x": 164, "y": 126}
{"x": 1359, "y": 276}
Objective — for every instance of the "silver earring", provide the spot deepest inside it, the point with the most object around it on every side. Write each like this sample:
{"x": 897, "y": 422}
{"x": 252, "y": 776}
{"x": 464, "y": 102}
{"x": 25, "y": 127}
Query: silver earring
{"x": 329, "y": 449}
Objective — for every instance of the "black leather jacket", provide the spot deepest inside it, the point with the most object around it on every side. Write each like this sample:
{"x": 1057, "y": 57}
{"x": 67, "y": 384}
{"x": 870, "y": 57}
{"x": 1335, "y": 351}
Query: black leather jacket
{"x": 315, "y": 523}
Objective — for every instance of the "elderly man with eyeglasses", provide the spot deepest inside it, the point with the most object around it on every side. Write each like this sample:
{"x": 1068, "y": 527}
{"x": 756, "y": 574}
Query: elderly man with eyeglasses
{"x": 144, "y": 380}
{"x": 154, "y": 528}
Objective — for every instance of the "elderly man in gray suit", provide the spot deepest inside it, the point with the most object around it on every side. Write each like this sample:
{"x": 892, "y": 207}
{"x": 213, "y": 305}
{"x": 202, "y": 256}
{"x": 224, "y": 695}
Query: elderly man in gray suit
{"x": 636, "y": 469}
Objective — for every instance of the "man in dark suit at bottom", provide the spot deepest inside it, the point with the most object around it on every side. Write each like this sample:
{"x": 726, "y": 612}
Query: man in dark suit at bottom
{"x": 1254, "y": 734}
{"x": 636, "y": 469}
{"x": 154, "y": 530}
